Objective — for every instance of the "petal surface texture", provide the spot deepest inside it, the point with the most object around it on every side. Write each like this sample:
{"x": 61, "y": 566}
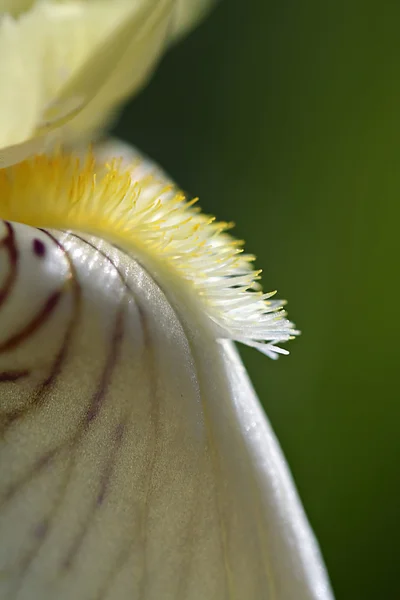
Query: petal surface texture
{"x": 135, "y": 460}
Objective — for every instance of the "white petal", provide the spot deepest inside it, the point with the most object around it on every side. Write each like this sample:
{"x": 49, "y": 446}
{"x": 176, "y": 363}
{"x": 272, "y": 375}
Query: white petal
{"x": 136, "y": 462}
{"x": 291, "y": 558}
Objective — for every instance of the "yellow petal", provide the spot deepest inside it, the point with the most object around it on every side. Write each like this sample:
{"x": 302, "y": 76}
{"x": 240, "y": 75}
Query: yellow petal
{"x": 47, "y": 46}
{"x": 21, "y": 75}
{"x": 15, "y": 7}
{"x": 65, "y": 66}
{"x": 119, "y": 68}
{"x": 188, "y": 13}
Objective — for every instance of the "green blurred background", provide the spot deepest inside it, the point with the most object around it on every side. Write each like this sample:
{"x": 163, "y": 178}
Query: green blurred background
{"x": 284, "y": 116}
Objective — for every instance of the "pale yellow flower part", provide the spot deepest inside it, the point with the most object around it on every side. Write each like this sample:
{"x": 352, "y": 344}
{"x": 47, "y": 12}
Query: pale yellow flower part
{"x": 187, "y": 13}
{"x": 15, "y": 7}
{"x": 66, "y": 66}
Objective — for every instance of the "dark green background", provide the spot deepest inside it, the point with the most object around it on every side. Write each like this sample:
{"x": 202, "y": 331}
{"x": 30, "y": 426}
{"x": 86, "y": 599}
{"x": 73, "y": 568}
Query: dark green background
{"x": 283, "y": 115}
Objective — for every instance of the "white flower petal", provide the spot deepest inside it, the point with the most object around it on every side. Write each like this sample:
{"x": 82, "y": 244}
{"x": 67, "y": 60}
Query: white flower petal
{"x": 136, "y": 462}
{"x": 292, "y": 558}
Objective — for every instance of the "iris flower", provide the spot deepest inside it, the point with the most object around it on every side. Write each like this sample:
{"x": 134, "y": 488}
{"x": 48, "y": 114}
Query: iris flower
{"x": 136, "y": 461}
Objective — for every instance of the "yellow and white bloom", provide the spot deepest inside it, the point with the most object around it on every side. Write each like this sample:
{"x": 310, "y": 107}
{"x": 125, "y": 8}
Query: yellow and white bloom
{"x": 136, "y": 461}
{"x": 67, "y": 65}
